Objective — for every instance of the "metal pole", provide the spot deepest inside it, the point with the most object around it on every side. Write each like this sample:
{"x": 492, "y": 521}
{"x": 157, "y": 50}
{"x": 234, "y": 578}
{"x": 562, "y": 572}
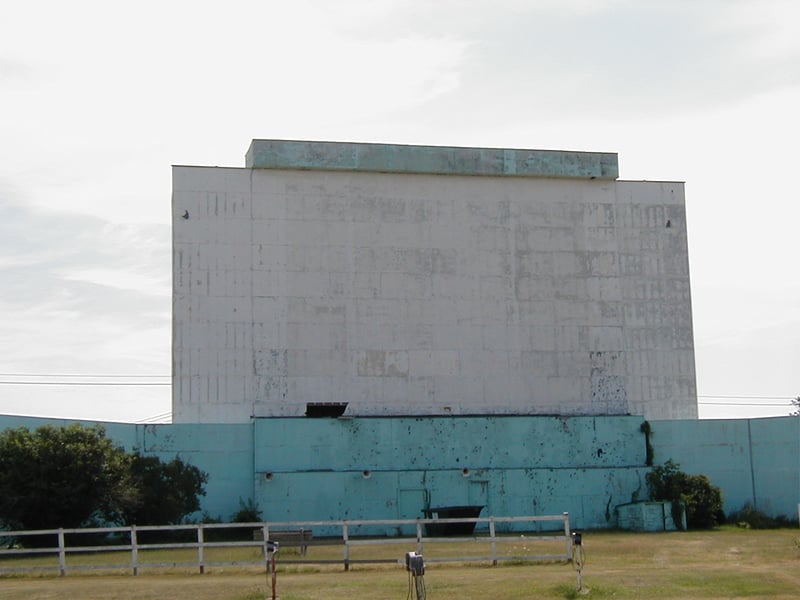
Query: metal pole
{"x": 419, "y": 587}
{"x": 274, "y": 577}
{"x": 577, "y": 557}
{"x": 271, "y": 550}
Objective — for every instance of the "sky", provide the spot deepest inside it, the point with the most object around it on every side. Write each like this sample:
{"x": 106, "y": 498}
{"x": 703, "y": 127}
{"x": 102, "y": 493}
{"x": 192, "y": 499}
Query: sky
{"x": 98, "y": 99}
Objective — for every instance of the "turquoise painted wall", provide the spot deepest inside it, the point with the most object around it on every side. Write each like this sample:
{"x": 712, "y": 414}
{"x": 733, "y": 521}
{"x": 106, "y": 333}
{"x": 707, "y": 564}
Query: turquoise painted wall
{"x": 223, "y": 451}
{"x": 440, "y": 160}
{"x": 378, "y": 468}
{"x": 124, "y": 434}
{"x": 437, "y": 443}
{"x": 382, "y": 468}
{"x": 755, "y": 461}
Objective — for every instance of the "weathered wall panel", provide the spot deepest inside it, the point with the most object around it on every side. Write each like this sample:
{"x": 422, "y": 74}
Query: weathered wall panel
{"x": 754, "y": 461}
{"x": 776, "y": 474}
{"x": 225, "y": 452}
{"x": 447, "y": 443}
{"x": 298, "y": 468}
{"x": 443, "y": 293}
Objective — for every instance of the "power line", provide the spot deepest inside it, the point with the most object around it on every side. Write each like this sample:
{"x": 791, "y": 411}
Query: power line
{"x": 744, "y": 404}
{"x": 73, "y": 375}
{"x": 87, "y": 383}
{"x": 723, "y": 401}
{"x": 129, "y": 379}
{"x": 166, "y": 384}
{"x": 750, "y": 397}
{"x": 156, "y": 418}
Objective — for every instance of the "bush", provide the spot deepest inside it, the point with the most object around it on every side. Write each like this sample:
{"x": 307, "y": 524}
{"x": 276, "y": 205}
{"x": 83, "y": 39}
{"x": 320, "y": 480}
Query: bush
{"x": 165, "y": 491}
{"x": 248, "y": 512}
{"x": 703, "y": 501}
{"x": 751, "y": 518}
{"x": 74, "y": 476}
{"x": 60, "y": 477}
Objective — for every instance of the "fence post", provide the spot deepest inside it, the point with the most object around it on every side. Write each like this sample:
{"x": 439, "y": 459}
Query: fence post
{"x": 265, "y": 534}
{"x": 346, "y": 539}
{"x": 134, "y": 551}
{"x": 62, "y": 553}
{"x": 492, "y": 534}
{"x": 494, "y": 539}
{"x": 419, "y": 536}
{"x": 200, "y": 549}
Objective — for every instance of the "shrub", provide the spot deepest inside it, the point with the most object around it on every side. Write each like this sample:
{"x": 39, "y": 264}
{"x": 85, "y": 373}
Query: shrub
{"x": 751, "y": 518}
{"x": 248, "y": 512}
{"x": 60, "y": 476}
{"x": 703, "y": 501}
{"x": 74, "y": 476}
{"x": 166, "y": 492}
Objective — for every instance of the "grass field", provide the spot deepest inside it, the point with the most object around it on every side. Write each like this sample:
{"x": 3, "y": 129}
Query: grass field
{"x": 726, "y": 563}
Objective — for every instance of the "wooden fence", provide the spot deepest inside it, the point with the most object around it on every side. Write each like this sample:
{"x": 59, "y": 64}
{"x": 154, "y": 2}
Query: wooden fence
{"x": 263, "y": 535}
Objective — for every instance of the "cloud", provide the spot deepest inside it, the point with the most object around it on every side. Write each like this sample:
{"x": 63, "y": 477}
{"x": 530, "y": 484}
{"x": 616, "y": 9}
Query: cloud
{"x": 65, "y": 302}
{"x": 15, "y": 70}
{"x": 605, "y": 59}
{"x": 82, "y": 296}
{"x": 99, "y": 100}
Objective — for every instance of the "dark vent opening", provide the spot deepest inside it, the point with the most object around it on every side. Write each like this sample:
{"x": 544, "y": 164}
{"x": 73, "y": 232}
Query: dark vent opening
{"x": 325, "y": 409}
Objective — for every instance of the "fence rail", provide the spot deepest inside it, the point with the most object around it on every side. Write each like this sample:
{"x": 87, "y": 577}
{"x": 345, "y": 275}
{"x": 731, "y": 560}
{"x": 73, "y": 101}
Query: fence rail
{"x": 263, "y": 534}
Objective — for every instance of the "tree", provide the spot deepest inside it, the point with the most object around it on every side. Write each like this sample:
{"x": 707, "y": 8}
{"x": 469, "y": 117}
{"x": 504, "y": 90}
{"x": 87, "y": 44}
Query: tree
{"x": 74, "y": 476}
{"x": 167, "y": 492}
{"x": 702, "y": 500}
{"x": 248, "y": 512}
{"x": 662, "y": 481}
{"x": 60, "y": 476}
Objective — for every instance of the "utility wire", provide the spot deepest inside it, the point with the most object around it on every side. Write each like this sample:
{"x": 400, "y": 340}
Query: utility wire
{"x": 723, "y": 400}
{"x": 33, "y": 379}
{"x": 156, "y": 418}
{"x": 750, "y": 397}
{"x": 745, "y": 404}
{"x": 166, "y": 384}
{"x": 131, "y": 376}
{"x": 126, "y": 375}
{"x": 86, "y": 383}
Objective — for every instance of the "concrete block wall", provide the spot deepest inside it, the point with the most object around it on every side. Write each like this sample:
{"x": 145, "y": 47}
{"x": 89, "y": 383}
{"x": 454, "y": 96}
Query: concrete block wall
{"x": 754, "y": 461}
{"x": 389, "y": 468}
{"x": 395, "y": 467}
{"x": 402, "y": 293}
{"x": 225, "y": 452}
{"x": 383, "y": 468}
{"x": 589, "y": 495}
